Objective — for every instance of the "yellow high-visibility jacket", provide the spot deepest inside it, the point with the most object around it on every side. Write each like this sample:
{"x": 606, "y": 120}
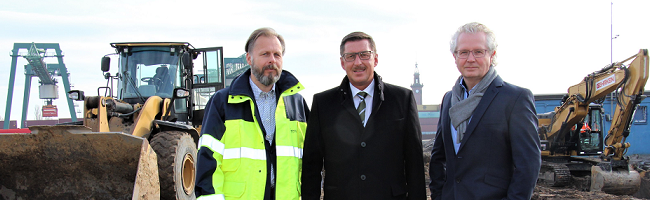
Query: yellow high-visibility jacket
{"x": 234, "y": 158}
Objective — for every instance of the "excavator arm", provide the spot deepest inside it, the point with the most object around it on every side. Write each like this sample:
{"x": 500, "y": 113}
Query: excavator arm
{"x": 628, "y": 98}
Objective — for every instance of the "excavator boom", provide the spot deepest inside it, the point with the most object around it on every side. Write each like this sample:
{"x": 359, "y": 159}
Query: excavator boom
{"x": 628, "y": 99}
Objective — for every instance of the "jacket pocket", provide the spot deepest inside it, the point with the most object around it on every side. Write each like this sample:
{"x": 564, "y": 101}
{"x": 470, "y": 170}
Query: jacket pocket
{"x": 496, "y": 181}
{"x": 398, "y": 189}
{"x": 234, "y": 189}
{"x": 232, "y": 142}
{"x": 230, "y": 165}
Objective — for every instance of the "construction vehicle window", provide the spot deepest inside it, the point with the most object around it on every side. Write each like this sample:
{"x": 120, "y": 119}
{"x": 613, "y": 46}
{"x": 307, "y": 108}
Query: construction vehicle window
{"x": 590, "y": 141}
{"x": 208, "y": 68}
{"x": 640, "y": 115}
{"x": 596, "y": 120}
{"x": 201, "y": 97}
{"x": 151, "y": 73}
{"x": 213, "y": 65}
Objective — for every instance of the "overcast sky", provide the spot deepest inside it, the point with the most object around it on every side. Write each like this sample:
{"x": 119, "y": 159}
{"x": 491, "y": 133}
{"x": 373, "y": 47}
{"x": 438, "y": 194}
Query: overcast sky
{"x": 545, "y": 46}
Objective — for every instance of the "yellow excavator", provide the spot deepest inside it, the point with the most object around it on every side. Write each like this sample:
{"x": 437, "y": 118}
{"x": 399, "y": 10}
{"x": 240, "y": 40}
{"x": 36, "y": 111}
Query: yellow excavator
{"x": 572, "y": 138}
{"x": 137, "y": 140}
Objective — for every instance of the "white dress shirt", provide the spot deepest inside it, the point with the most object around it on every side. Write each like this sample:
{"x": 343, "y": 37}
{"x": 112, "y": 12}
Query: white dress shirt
{"x": 371, "y": 91}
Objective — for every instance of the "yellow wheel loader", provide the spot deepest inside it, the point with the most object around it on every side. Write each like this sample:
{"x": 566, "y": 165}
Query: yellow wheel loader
{"x": 138, "y": 137}
{"x": 572, "y": 136}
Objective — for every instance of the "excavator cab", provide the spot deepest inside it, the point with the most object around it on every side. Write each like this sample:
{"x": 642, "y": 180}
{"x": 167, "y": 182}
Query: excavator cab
{"x": 589, "y": 138}
{"x": 584, "y": 138}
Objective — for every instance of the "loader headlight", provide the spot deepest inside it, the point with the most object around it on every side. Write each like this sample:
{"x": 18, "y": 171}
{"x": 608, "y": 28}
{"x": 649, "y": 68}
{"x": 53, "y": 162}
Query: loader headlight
{"x": 76, "y": 95}
{"x": 181, "y": 93}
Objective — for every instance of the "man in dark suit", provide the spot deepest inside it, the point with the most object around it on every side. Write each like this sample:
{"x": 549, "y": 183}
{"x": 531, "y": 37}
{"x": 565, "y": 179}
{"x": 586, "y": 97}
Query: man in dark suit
{"x": 364, "y": 133}
{"x": 486, "y": 146}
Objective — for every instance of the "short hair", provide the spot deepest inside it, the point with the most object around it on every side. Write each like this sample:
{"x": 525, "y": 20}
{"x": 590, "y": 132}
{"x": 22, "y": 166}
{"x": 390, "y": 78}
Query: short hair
{"x": 356, "y": 36}
{"x": 475, "y": 27}
{"x": 266, "y": 31}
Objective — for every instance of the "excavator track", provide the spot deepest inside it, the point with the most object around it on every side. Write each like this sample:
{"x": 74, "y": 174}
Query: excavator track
{"x": 554, "y": 174}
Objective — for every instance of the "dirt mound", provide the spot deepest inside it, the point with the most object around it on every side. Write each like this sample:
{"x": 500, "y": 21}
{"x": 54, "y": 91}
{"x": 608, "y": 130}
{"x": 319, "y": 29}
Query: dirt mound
{"x": 552, "y": 193}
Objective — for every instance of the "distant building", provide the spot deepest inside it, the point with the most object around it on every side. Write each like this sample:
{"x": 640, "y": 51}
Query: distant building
{"x": 12, "y": 124}
{"x": 417, "y": 86}
{"x": 639, "y": 129}
{"x": 47, "y": 122}
{"x": 428, "y": 114}
{"x": 235, "y": 67}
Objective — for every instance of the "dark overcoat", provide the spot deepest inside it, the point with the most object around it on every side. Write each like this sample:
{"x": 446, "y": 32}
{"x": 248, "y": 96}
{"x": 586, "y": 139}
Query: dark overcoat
{"x": 382, "y": 160}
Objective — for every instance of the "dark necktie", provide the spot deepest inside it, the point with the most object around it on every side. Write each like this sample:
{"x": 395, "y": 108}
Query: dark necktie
{"x": 362, "y": 106}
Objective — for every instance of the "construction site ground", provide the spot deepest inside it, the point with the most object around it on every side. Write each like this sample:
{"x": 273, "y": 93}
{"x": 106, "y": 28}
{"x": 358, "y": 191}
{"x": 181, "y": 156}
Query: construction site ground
{"x": 577, "y": 190}
{"x": 578, "y": 187}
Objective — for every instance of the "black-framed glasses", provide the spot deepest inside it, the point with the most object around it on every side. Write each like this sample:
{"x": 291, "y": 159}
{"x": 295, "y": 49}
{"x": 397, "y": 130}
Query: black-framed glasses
{"x": 350, "y": 57}
{"x": 478, "y": 53}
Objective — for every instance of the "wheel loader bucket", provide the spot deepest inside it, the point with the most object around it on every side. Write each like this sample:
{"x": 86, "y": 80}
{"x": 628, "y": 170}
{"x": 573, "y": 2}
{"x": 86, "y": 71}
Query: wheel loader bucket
{"x": 71, "y": 162}
{"x": 619, "y": 182}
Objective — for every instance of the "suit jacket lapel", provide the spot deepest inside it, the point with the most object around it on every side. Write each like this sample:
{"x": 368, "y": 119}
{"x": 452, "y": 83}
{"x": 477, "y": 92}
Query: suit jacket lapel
{"x": 482, "y": 106}
{"x": 378, "y": 97}
{"x": 346, "y": 98}
{"x": 348, "y": 104}
{"x": 446, "y": 121}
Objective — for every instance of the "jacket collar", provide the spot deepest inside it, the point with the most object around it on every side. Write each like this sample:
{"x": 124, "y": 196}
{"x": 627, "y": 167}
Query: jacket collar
{"x": 346, "y": 92}
{"x": 480, "y": 109}
{"x": 348, "y": 103}
{"x": 241, "y": 85}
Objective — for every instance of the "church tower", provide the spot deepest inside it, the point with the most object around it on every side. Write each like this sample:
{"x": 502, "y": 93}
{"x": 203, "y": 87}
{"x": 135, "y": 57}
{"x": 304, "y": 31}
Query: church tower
{"x": 417, "y": 86}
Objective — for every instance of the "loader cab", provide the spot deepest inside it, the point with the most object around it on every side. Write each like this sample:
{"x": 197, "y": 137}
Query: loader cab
{"x": 156, "y": 68}
{"x": 148, "y": 69}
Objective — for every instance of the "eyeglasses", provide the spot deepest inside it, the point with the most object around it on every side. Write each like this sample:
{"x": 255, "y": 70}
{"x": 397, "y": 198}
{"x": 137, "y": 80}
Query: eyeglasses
{"x": 350, "y": 57}
{"x": 478, "y": 53}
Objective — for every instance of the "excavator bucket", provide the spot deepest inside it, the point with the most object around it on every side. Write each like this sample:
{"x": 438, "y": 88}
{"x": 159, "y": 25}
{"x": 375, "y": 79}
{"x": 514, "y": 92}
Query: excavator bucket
{"x": 625, "y": 181}
{"x": 71, "y": 162}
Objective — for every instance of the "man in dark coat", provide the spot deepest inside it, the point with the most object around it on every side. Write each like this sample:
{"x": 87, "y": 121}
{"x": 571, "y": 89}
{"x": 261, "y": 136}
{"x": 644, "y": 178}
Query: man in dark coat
{"x": 364, "y": 133}
{"x": 486, "y": 146}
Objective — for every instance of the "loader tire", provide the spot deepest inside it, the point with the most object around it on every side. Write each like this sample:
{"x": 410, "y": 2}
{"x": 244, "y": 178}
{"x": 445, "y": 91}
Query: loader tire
{"x": 176, "y": 157}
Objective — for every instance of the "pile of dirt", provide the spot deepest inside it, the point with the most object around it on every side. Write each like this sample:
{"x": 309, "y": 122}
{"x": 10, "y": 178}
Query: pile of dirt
{"x": 560, "y": 193}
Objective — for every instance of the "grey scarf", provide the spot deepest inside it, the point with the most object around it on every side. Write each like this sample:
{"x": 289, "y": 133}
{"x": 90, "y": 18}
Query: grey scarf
{"x": 461, "y": 109}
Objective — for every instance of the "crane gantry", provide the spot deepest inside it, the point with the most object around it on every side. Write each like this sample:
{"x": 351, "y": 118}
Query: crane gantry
{"x": 48, "y": 89}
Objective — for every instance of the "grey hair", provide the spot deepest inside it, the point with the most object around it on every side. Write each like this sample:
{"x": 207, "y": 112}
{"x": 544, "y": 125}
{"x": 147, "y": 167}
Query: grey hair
{"x": 475, "y": 27}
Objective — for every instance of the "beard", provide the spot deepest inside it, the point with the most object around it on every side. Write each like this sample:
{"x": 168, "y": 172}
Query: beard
{"x": 258, "y": 72}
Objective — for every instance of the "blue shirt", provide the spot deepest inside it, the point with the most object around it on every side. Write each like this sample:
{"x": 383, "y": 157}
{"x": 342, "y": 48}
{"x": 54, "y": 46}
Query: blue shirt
{"x": 266, "y": 104}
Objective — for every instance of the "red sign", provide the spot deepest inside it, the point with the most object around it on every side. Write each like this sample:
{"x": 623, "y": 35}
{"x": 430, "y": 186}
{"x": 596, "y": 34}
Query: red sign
{"x": 605, "y": 82}
{"x": 50, "y": 111}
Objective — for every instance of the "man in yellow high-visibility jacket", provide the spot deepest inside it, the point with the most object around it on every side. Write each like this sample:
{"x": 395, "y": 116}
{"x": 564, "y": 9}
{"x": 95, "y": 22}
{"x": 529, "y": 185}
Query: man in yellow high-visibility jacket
{"x": 253, "y": 131}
